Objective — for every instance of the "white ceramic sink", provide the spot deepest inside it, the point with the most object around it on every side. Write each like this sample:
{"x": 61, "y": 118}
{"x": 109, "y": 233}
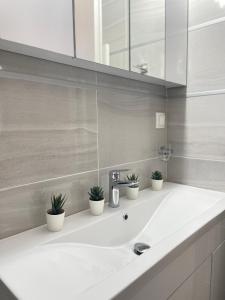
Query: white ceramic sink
{"x": 91, "y": 253}
{"x": 57, "y": 268}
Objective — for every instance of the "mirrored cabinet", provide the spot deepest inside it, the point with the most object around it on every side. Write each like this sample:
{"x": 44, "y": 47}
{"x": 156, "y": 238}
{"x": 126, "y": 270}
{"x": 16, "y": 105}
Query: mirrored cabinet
{"x": 148, "y": 37}
{"x": 145, "y": 37}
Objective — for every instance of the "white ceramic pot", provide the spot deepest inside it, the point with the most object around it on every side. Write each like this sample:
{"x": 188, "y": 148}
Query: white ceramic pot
{"x": 96, "y": 207}
{"x": 55, "y": 222}
{"x": 132, "y": 193}
{"x": 157, "y": 184}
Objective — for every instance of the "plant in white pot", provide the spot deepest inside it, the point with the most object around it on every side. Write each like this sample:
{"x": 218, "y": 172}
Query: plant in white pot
{"x": 96, "y": 200}
{"x": 157, "y": 181}
{"x": 56, "y": 214}
{"x": 133, "y": 188}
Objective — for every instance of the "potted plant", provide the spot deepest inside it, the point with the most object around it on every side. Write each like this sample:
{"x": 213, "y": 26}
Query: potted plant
{"x": 157, "y": 181}
{"x": 96, "y": 200}
{"x": 133, "y": 188}
{"x": 56, "y": 214}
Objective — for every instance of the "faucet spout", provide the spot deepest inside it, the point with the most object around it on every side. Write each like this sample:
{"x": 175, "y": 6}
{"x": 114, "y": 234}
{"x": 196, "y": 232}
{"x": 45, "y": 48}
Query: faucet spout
{"x": 114, "y": 187}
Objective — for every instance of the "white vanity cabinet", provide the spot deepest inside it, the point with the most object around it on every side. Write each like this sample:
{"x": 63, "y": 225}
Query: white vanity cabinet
{"x": 195, "y": 272}
{"x": 210, "y": 276}
{"x": 44, "y": 24}
{"x": 197, "y": 286}
{"x": 218, "y": 273}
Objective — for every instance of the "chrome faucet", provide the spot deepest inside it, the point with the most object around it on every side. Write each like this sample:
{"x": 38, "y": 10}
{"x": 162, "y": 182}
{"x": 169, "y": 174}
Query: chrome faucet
{"x": 115, "y": 183}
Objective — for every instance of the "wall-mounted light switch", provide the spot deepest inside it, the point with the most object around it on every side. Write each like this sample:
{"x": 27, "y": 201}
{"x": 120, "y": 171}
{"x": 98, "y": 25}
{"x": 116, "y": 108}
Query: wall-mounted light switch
{"x": 160, "y": 118}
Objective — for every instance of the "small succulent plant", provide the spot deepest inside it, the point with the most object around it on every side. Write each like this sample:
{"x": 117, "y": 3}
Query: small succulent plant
{"x": 133, "y": 178}
{"x": 157, "y": 175}
{"x": 57, "y": 202}
{"x": 96, "y": 193}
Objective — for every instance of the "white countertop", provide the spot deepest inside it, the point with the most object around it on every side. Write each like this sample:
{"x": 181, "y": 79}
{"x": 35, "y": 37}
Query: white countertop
{"x": 19, "y": 244}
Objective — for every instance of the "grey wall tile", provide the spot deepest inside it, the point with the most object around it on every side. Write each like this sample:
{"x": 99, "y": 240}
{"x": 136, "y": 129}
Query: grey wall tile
{"x": 127, "y": 126}
{"x": 46, "y": 131}
{"x": 143, "y": 168}
{"x": 196, "y": 172}
{"x": 24, "y": 208}
{"x": 109, "y": 81}
{"x": 21, "y": 64}
{"x": 50, "y": 128}
{"x": 196, "y": 127}
{"x": 206, "y": 60}
{"x": 204, "y": 11}
{"x": 196, "y": 124}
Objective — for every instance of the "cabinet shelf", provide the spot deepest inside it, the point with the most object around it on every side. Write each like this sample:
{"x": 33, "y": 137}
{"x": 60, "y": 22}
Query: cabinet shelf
{"x": 80, "y": 63}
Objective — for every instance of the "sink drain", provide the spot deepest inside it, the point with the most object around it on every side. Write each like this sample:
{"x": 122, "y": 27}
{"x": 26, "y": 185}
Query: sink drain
{"x": 140, "y": 248}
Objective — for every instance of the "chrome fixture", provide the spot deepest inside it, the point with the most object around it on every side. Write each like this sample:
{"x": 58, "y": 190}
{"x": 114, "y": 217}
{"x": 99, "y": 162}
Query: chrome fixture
{"x": 115, "y": 183}
{"x": 140, "y": 248}
{"x": 142, "y": 67}
{"x": 165, "y": 152}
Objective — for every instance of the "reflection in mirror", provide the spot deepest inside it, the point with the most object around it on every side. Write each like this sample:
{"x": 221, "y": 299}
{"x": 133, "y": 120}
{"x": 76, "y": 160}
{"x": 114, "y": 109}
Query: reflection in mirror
{"x": 102, "y": 31}
{"x": 147, "y": 26}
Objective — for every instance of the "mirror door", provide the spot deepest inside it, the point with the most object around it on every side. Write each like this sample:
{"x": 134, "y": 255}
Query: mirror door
{"x": 147, "y": 38}
{"x": 102, "y": 31}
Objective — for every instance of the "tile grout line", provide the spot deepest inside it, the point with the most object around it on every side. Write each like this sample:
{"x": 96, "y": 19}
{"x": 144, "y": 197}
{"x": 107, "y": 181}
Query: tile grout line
{"x": 97, "y": 118}
{"x": 197, "y": 158}
{"x": 199, "y": 94}
{"x": 131, "y": 162}
{"x": 205, "y": 93}
{"x": 71, "y": 175}
{"x": 206, "y": 24}
{"x": 46, "y": 180}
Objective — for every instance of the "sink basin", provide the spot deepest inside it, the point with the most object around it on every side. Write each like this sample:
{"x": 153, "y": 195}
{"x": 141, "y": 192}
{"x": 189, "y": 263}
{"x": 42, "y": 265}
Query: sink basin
{"x": 61, "y": 267}
{"x": 92, "y": 252}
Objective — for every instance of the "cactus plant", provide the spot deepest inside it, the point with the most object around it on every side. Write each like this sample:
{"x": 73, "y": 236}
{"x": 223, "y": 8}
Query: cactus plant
{"x": 157, "y": 175}
{"x": 57, "y": 202}
{"x": 96, "y": 193}
{"x": 133, "y": 178}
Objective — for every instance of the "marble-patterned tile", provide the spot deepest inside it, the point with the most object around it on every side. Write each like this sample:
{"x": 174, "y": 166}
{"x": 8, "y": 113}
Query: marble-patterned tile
{"x": 196, "y": 172}
{"x": 21, "y": 64}
{"x": 206, "y": 60}
{"x": 24, "y": 207}
{"x": 196, "y": 127}
{"x": 127, "y": 130}
{"x": 177, "y": 93}
{"x": 46, "y": 131}
{"x": 205, "y": 11}
{"x": 143, "y": 169}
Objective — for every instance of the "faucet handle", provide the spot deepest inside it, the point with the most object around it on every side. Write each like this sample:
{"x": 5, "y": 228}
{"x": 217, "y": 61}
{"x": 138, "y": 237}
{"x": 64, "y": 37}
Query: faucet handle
{"x": 115, "y": 174}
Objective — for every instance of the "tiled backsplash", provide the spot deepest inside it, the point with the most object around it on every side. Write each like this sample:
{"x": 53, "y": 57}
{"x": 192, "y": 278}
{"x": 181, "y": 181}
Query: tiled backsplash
{"x": 63, "y": 129}
{"x": 196, "y": 116}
